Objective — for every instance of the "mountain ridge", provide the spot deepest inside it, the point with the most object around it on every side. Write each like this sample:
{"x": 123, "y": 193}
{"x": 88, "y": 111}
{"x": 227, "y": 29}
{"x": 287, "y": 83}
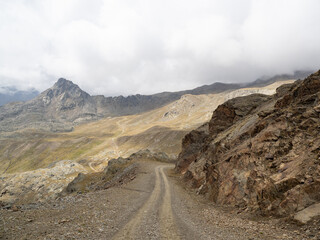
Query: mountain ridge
{"x": 109, "y": 137}
{"x": 65, "y": 105}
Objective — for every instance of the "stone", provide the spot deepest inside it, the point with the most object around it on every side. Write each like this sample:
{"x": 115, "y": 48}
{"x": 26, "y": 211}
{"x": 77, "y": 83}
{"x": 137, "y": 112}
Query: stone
{"x": 14, "y": 208}
{"x": 308, "y": 213}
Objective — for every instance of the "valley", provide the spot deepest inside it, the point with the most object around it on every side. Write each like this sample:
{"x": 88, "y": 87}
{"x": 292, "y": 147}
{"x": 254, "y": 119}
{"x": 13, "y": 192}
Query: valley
{"x": 26, "y": 153}
{"x": 182, "y": 120}
{"x": 117, "y": 174}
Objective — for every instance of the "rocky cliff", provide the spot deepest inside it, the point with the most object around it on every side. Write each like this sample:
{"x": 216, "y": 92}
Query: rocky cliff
{"x": 259, "y": 153}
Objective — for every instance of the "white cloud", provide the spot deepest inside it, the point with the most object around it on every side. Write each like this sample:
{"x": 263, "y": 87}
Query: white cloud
{"x": 124, "y": 47}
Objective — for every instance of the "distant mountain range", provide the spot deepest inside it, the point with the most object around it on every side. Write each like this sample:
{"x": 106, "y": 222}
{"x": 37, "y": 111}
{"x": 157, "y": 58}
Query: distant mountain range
{"x": 11, "y": 94}
{"x": 64, "y": 105}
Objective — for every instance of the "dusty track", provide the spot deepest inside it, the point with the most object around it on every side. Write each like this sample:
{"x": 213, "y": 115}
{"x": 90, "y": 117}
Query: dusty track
{"x": 152, "y": 206}
{"x": 169, "y": 213}
{"x": 168, "y": 229}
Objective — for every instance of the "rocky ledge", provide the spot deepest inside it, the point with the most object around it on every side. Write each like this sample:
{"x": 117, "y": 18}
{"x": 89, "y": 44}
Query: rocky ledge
{"x": 260, "y": 153}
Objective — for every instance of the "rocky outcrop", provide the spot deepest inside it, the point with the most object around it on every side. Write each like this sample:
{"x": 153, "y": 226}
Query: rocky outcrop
{"x": 118, "y": 172}
{"x": 39, "y": 185}
{"x": 192, "y": 146}
{"x": 260, "y": 153}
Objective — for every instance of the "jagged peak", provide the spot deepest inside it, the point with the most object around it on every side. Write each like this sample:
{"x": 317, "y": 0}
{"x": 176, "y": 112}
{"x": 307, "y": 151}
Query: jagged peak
{"x": 62, "y": 82}
{"x": 63, "y": 86}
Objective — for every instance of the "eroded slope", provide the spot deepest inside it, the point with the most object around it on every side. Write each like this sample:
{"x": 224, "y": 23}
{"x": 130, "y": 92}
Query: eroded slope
{"x": 260, "y": 153}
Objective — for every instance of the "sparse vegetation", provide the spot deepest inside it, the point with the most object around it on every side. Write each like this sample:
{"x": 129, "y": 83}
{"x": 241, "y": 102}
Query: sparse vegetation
{"x": 110, "y": 137}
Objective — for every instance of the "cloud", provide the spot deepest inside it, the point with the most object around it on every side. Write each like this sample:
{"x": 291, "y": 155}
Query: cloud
{"x": 125, "y": 47}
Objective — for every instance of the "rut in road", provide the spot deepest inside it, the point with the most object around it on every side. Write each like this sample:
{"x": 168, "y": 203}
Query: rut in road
{"x": 168, "y": 229}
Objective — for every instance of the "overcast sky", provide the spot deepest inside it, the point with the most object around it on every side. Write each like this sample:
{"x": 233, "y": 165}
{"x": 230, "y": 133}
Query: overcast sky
{"x": 125, "y": 47}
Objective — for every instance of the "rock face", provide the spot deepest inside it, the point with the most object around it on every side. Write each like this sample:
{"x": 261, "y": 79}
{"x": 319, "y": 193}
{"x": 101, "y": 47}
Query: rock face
{"x": 259, "y": 153}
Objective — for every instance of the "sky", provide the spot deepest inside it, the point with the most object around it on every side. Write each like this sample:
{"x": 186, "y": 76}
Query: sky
{"x": 123, "y": 47}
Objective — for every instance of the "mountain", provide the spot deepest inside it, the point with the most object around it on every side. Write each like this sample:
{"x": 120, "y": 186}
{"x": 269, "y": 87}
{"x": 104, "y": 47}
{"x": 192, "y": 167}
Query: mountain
{"x": 11, "y": 94}
{"x": 159, "y": 130}
{"x": 33, "y": 156}
{"x": 65, "y": 105}
{"x": 260, "y": 153}
{"x": 54, "y": 109}
{"x": 261, "y": 82}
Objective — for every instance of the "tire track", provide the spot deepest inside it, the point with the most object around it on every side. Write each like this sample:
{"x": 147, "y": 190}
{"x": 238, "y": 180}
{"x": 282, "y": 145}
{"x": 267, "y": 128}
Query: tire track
{"x": 167, "y": 224}
{"x": 168, "y": 228}
{"x": 129, "y": 231}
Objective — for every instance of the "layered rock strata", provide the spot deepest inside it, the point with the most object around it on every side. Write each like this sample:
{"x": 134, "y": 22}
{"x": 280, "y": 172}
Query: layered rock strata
{"x": 258, "y": 152}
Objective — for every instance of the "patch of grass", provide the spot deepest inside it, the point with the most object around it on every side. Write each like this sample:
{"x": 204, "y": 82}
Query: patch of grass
{"x": 40, "y": 154}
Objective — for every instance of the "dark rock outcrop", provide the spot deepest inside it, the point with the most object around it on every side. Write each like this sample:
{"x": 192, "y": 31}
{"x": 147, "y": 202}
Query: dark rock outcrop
{"x": 118, "y": 171}
{"x": 260, "y": 153}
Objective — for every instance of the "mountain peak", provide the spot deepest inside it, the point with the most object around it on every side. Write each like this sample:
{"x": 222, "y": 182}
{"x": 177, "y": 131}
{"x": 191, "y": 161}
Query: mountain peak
{"x": 63, "y": 85}
{"x": 62, "y": 82}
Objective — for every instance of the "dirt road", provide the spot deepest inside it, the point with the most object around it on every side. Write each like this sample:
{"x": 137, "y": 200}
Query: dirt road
{"x": 162, "y": 195}
{"x": 152, "y": 206}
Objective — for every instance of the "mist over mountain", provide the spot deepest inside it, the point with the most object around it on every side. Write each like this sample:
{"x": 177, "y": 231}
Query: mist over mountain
{"x": 155, "y": 46}
{"x": 160, "y": 119}
{"x": 12, "y": 94}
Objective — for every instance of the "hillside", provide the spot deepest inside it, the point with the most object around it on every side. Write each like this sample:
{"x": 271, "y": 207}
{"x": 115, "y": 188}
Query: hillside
{"x": 65, "y": 105}
{"x": 159, "y": 130}
{"x": 260, "y": 153}
{"x": 81, "y": 180}
{"x": 33, "y": 156}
